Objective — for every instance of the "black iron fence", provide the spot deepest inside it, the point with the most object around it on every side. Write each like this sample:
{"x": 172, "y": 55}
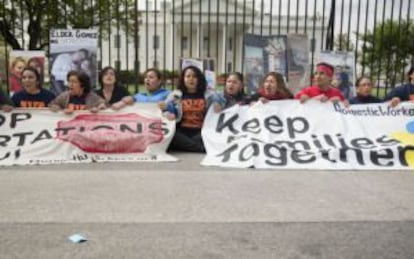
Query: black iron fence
{"x": 135, "y": 35}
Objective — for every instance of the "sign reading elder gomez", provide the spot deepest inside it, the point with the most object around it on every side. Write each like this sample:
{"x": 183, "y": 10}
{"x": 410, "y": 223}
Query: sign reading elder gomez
{"x": 314, "y": 135}
{"x": 40, "y": 136}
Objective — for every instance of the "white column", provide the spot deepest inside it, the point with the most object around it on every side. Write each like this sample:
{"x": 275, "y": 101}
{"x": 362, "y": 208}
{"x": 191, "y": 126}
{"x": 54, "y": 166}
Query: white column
{"x": 172, "y": 50}
{"x": 200, "y": 40}
{"x": 224, "y": 50}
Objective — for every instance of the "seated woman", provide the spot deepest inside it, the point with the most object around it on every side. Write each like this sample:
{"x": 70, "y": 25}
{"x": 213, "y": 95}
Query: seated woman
{"x": 32, "y": 95}
{"x": 233, "y": 92}
{"x": 6, "y": 104}
{"x": 154, "y": 85}
{"x": 363, "y": 91}
{"x": 189, "y": 104}
{"x": 79, "y": 96}
{"x": 113, "y": 93}
{"x": 273, "y": 88}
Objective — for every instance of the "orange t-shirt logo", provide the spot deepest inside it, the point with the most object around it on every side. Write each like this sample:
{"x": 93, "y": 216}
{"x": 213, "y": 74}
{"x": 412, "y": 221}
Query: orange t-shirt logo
{"x": 76, "y": 107}
{"x": 32, "y": 104}
{"x": 193, "y": 113}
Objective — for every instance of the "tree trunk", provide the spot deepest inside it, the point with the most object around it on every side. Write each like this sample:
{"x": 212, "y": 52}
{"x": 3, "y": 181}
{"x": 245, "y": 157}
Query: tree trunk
{"x": 8, "y": 36}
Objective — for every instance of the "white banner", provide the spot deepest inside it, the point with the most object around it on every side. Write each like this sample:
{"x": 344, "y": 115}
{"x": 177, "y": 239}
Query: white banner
{"x": 40, "y": 136}
{"x": 314, "y": 135}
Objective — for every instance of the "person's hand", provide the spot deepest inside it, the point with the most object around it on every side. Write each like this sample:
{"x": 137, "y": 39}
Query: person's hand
{"x": 303, "y": 98}
{"x": 170, "y": 116}
{"x": 335, "y": 99}
{"x": 128, "y": 100}
{"x": 68, "y": 111}
{"x": 102, "y": 106}
{"x": 263, "y": 100}
{"x": 118, "y": 105}
{"x": 94, "y": 109}
{"x": 217, "y": 107}
{"x": 54, "y": 107}
{"x": 322, "y": 98}
{"x": 162, "y": 105}
{"x": 395, "y": 101}
{"x": 7, "y": 108}
{"x": 346, "y": 103}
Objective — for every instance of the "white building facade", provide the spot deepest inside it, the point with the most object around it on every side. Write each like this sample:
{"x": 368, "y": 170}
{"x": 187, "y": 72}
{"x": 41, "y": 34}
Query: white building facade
{"x": 201, "y": 29}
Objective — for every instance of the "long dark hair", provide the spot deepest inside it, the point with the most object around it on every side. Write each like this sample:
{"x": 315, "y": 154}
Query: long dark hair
{"x": 358, "y": 81}
{"x": 38, "y": 78}
{"x": 201, "y": 80}
{"x": 83, "y": 78}
{"x": 103, "y": 72}
{"x": 239, "y": 77}
{"x": 281, "y": 85}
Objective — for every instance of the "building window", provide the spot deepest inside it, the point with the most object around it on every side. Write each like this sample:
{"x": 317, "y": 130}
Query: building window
{"x": 117, "y": 65}
{"x": 137, "y": 43}
{"x": 117, "y": 41}
{"x": 137, "y": 65}
{"x": 229, "y": 67}
{"x": 312, "y": 44}
{"x": 149, "y": 5}
{"x": 156, "y": 41}
{"x": 206, "y": 43}
{"x": 230, "y": 47}
{"x": 184, "y": 42}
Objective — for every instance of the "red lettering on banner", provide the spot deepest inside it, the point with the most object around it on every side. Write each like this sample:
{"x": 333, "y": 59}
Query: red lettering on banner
{"x": 120, "y": 133}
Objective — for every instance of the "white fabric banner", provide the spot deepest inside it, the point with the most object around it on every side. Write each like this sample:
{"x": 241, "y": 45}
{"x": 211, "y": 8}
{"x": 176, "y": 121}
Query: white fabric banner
{"x": 314, "y": 135}
{"x": 40, "y": 136}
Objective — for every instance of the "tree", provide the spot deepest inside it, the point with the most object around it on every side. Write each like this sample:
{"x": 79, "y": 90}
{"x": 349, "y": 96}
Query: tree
{"x": 343, "y": 43}
{"x": 388, "y": 49}
{"x": 32, "y": 19}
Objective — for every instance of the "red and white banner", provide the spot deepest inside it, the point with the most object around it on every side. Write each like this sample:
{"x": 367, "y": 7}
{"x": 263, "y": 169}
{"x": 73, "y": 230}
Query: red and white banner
{"x": 314, "y": 135}
{"x": 40, "y": 136}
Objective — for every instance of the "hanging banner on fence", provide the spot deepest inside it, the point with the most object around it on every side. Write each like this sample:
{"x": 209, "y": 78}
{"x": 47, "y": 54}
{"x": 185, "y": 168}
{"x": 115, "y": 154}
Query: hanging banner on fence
{"x": 18, "y": 60}
{"x": 263, "y": 54}
{"x": 298, "y": 60}
{"x": 40, "y": 136}
{"x": 72, "y": 49}
{"x": 290, "y": 135}
{"x": 344, "y": 64}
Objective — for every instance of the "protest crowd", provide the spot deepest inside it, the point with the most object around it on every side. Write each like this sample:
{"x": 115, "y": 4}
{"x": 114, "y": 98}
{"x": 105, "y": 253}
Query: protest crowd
{"x": 189, "y": 103}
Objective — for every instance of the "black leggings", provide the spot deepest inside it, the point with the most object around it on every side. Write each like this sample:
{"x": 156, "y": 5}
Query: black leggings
{"x": 184, "y": 142}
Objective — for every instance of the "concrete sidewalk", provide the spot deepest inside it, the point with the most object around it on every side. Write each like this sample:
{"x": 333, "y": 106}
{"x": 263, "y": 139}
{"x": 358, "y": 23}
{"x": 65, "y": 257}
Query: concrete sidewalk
{"x": 283, "y": 213}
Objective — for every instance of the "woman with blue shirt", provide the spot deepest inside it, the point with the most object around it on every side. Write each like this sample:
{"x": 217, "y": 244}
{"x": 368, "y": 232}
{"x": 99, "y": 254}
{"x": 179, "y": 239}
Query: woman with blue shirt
{"x": 155, "y": 90}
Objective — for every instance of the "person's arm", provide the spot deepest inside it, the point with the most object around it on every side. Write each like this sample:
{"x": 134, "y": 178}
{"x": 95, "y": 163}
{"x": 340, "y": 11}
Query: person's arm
{"x": 6, "y": 104}
{"x": 172, "y": 105}
{"x": 60, "y": 102}
{"x": 94, "y": 102}
{"x": 396, "y": 95}
{"x": 302, "y": 95}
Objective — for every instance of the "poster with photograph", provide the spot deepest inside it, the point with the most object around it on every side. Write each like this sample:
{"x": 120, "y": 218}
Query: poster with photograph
{"x": 72, "y": 49}
{"x": 211, "y": 79}
{"x": 298, "y": 60}
{"x": 344, "y": 70}
{"x": 263, "y": 54}
{"x": 202, "y": 63}
{"x": 18, "y": 60}
{"x": 186, "y": 62}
